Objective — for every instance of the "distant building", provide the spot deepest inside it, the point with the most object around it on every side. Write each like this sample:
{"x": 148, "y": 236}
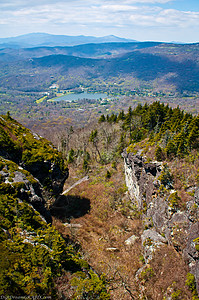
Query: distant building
{"x": 54, "y": 86}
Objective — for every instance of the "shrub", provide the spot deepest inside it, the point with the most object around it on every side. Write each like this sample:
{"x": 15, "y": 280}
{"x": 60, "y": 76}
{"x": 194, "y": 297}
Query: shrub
{"x": 196, "y": 241}
{"x": 174, "y": 200}
{"x": 108, "y": 174}
{"x": 191, "y": 283}
{"x": 90, "y": 286}
{"x": 176, "y": 295}
{"x": 159, "y": 154}
{"x": 166, "y": 178}
{"x": 147, "y": 274}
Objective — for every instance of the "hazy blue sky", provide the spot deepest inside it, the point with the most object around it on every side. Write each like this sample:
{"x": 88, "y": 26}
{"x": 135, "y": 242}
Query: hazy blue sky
{"x": 157, "y": 20}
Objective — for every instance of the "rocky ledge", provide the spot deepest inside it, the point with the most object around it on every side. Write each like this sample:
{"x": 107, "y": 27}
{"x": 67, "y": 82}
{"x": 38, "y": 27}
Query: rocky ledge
{"x": 164, "y": 222}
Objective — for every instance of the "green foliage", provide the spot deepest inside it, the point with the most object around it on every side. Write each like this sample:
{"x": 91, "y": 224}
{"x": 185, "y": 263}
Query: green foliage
{"x": 90, "y": 286}
{"x": 147, "y": 273}
{"x": 142, "y": 259}
{"x": 174, "y": 200}
{"x": 14, "y": 212}
{"x": 122, "y": 143}
{"x": 10, "y": 169}
{"x": 191, "y": 283}
{"x": 32, "y": 253}
{"x": 131, "y": 148}
{"x": 177, "y": 132}
{"x": 21, "y": 271}
{"x": 159, "y": 154}
{"x": 196, "y": 241}
{"x": 32, "y": 151}
{"x": 108, "y": 174}
{"x": 93, "y": 136}
{"x": 71, "y": 156}
{"x": 35, "y": 253}
{"x": 138, "y": 134}
{"x": 86, "y": 160}
{"x": 114, "y": 165}
{"x": 171, "y": 149}
{"x": 176, "y": 295}
{"x": 112, "y": 118}
{"x": 102, "y": 119}
{"x": 85, "y": 165}
{"x": 7, "y": 188}
{"x": 166, "y": 178}
{"x": 121, "y": 116}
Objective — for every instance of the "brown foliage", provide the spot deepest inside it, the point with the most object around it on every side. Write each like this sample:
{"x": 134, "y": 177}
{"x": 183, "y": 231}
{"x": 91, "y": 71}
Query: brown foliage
{"x": 104, "y": 228}
{"x": 169, "y": 275}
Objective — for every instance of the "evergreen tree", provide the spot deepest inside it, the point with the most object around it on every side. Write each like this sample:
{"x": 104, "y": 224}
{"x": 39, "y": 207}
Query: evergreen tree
{"x": 102, "y": 119}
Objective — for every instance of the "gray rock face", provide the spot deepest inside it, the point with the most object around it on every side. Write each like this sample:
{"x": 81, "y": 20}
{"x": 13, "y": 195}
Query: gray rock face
{"x": 151, "y": 240}
{"x": 28, "y": 189}
{"x": 191, "y": 255}
{"x": 47, "y": 171}
{"x": 140, "y": 177}
{"x": 163, "y": 224}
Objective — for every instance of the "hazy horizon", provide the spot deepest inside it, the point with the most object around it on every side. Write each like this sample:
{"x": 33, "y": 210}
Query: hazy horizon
{"x": 143, "y": 20}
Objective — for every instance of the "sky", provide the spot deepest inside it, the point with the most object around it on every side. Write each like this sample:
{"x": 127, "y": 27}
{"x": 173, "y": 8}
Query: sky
{"x": 143, "y": 20}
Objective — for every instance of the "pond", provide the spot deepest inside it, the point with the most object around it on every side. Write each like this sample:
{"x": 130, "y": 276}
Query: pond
{"x": 80, "y": 96}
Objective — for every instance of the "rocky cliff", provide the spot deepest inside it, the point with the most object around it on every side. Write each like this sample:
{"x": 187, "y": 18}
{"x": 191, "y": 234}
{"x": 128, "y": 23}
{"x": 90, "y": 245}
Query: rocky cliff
{"x": 165, "y": 222}
{"x": 30, "y": 167}
{"x": 16, "y": 181}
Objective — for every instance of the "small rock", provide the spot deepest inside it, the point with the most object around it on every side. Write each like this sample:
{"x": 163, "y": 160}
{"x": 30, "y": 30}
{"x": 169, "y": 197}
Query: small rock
{"x": 131, "y": 240}
{"x": 153, "y": 235}
{"x": 112, "y": 249}
{"x": 72, "y": 225}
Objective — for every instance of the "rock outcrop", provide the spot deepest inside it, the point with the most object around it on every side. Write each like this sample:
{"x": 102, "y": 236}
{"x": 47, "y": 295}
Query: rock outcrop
{"x": 49, "y": 174}
{"x": 19, "y": 182}
{"x": 164, "y": 222}
{"x": 31, "y": 168}
{"x": 34, "y": 153}
{"x": 140, "y": 177}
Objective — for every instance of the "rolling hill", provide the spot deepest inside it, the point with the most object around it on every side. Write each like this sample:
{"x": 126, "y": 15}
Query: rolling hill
{"x": 92, "y": 50}
{"x": 171, "y": 64}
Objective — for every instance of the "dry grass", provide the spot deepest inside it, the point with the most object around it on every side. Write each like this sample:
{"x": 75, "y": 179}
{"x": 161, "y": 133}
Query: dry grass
{"x": 108, "y": 224}
{"x": 104, "y": 227}
{"x": 169, "y": 275}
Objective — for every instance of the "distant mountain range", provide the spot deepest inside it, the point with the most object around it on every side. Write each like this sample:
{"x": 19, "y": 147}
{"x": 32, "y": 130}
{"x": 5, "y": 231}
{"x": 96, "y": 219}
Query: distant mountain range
{"x": 35, "y": 68}
{"x": 49, "y": 40}
{"x": 93, "y": 50}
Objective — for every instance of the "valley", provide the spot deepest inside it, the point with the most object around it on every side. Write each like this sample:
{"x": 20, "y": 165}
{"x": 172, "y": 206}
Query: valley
{"x": 129, "y": 73}
{"x": 122, "y": 196}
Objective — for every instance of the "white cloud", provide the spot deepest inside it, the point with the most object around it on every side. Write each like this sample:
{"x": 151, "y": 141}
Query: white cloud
{"x": 19, "y": 4}
{"x": 119, "y": 14}
{"x": 148, "y": 1}
{"x": 93, "y": 16}
{"x": 119, "y": 8}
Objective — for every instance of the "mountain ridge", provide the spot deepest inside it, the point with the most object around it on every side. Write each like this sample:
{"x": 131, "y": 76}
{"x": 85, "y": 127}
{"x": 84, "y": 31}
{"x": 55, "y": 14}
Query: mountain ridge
{"x": 44, "y": 39}
{"x": 167, "y": 62}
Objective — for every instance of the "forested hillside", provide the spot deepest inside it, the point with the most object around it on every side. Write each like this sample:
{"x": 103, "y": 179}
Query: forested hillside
{"x": 114, "y": 215}
{"x": 125, "y": 223}
{"x": 36, "y": 261}
{"x": 102, "y": 50}
{"x": 146, "y": 240}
